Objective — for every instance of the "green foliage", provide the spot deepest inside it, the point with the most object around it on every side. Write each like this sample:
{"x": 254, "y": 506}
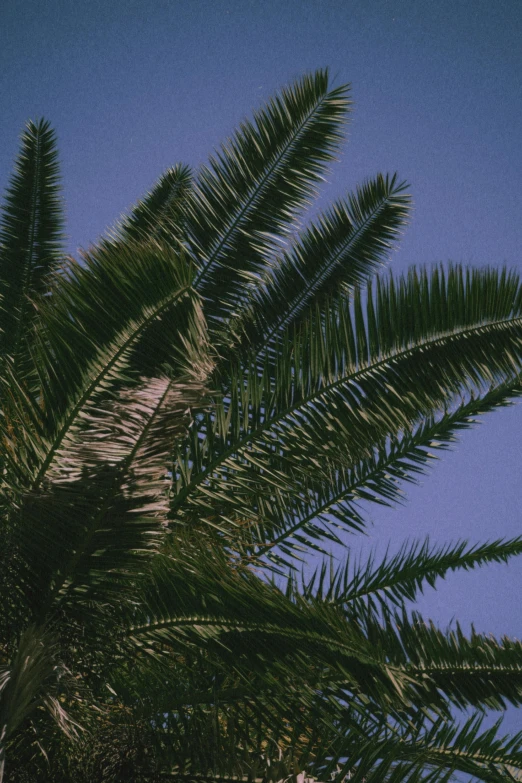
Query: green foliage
{"x": 187, "y": 413}
{"x": 30, "y": 236}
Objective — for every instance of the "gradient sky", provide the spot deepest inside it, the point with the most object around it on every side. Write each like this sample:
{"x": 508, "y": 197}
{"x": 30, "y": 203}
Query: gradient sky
{"x": 133, "y": 87}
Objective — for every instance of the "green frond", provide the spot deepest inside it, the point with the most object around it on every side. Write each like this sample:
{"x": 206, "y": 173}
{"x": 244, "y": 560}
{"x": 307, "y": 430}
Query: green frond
{"x": 352, "y": 401}
{"x": 334, "y": 497}
{"x": 341, "y": 250}
{"x": 110, "y": 365}
{"x": 113, "y": 287}
{"x": 427, "y": 751}
{"x": 122, "y": 451}
{"x": 260, "y": 734}
{"x": 160, "y": 214}
{"x": 85, "y": 345}
{"x": 100, "y": 512}
{"x": 401, "y": 577}
{"x": 465, "y": 748}
{"x": 91, "y": 489}
{"x": 476, "y": 671}
{"x": 253, "y": 188}
{"x": 249, "y": 626}
{"x": 31, "y": 234}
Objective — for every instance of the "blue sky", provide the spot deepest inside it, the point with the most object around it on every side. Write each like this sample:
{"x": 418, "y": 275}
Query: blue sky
{"x": 133, "y": 87}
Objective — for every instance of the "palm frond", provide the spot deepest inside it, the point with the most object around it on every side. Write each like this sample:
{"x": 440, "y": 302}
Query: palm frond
{"x": 256, "y": 183}
{"x": 465, "y": 748}
{"x": 33, "y": 680}
{"x": 335, "y": 413}
{"x": 101, "y": 512}
{"x": 88, "y": 378}
{"x": 155, "y": 484}
{"x": 122, "y": 454}
{"x": 248, "y": 627}
{"x": 31, "y": 234}
{"x": 341, "y": 250}
{"x": 87, "y": 484}
{"x": 96, "y": 300}
{"x": 332, "y": 499}
{"x": 477, "y": 671}
{"x": 262, "y": 731}
{"x": 425, "y": 750}
{"x": 401, "y": 577}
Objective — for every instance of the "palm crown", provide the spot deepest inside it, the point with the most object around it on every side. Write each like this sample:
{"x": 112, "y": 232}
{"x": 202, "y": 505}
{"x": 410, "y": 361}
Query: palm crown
{"x": 189, "y": 411}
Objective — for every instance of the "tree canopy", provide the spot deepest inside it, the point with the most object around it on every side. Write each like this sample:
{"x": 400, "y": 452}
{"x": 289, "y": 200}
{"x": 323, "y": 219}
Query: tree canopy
{"x": 208, "y": 396}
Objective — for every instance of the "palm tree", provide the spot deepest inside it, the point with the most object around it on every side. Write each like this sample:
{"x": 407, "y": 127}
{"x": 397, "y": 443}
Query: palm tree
{"x": 186, "y": 414}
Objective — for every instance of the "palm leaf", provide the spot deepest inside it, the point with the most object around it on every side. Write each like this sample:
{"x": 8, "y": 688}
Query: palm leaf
{"x": 101, "y": 513}
{"x": 401, "y": 577}
{"x": 86, "y": 380}
{"x": 112, "y": 288}
{"x": 139, "y": 510}
{"x": 478, "y": 671}
{"x": 160, "y": 214}
{"x": 341, "y": 250}
{"x": 201, "y": 604}
{"x": 91, "y": 485}
{"x": 425, "y": 750}
{"x": 334, "y": 415}
{"x": 31, "y": 233}
{"x": 333, "y": 498}
{"x": 255, "y": 185}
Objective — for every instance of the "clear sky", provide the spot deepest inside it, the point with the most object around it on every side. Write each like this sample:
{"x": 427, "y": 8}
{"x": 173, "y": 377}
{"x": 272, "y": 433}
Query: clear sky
{"x": 133, "y": 87}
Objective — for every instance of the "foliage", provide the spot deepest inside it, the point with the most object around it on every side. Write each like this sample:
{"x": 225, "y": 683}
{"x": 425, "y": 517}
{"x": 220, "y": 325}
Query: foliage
{"x": 190, "y": 411}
